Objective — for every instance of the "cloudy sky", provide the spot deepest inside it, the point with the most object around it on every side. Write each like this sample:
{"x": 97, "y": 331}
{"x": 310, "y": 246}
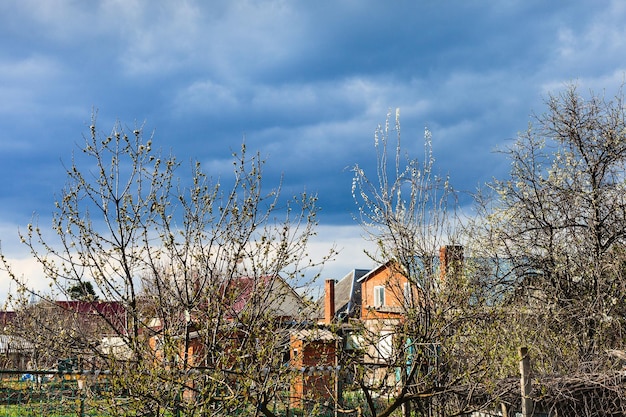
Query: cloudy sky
{"x": 305, "y": 82}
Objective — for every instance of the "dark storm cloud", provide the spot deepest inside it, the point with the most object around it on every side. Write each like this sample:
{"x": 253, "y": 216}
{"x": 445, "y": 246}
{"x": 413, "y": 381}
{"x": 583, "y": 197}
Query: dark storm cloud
{"x": 305, "y": 83}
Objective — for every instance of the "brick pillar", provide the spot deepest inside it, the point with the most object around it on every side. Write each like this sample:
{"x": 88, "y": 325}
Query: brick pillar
{"x": 313, "y": 359}
{"x": 329, "y": 301}
{"x": 450, "y": 261}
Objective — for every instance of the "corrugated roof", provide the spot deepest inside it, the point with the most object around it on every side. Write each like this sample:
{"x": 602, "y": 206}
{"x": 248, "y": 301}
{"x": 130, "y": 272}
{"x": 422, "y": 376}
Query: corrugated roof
{"x": 315, "y": 334}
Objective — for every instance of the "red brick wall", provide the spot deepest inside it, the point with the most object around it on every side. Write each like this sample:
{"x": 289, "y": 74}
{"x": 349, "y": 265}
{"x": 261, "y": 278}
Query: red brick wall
{"x": 393, "y": 282}
{"x": 310, "y": 382}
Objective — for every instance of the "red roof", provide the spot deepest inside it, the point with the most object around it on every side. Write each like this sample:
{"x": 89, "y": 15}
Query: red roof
{"x": 274, "y": 294}
{"x": 241, "y": 290}
{"x": 7, "y": 317}
{"x": 112, "y": 311}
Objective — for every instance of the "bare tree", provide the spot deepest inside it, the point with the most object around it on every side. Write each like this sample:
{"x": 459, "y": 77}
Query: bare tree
{"x": 562, "y": 215}
{"x": 411, "y": 334}
{"x": 556, "y": 229}
{"x": 201, "y": 272}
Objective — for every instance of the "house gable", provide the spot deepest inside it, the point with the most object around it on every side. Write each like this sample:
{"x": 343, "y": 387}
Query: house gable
{"x": 383, "y": 292}
{"x": 269, "y": 294}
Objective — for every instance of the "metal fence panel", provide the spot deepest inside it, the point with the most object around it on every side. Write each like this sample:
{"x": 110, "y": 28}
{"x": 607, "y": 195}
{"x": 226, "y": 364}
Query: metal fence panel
{"x": 52, "y": 393}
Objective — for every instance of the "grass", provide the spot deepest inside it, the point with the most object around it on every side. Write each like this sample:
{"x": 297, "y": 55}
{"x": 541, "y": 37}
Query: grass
{"x": 47, "y": 409}
{"x": 59, "y": 397}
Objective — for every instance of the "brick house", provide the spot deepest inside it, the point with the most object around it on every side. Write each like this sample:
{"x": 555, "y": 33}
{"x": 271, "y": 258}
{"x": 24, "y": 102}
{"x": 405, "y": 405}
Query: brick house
{"x": 364, "y": 311}
{"x": 386, "y": 294}
{"x": 384, "y": 291}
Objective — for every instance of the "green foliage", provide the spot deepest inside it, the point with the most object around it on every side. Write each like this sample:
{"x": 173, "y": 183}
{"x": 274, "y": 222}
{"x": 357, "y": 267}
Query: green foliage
{"x": 83, "y": 291}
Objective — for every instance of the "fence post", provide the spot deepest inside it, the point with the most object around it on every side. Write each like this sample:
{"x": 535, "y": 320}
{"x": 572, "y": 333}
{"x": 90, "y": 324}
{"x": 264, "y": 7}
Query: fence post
{"x": 81, "y": 386}
{"x": 525, "y": 382}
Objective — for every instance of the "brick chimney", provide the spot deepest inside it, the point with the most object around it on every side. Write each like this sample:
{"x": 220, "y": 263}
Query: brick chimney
{"x": 329, "y": 301}
{"x": 450, "y": 261}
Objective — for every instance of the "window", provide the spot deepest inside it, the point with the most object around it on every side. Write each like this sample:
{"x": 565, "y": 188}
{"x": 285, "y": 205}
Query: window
{"x": 408, "y": 294}
{"x": 379, "y": 296}
{"x": 384, "y": 346}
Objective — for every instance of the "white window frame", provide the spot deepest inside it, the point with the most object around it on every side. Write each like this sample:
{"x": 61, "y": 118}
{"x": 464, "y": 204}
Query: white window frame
{"x": 379, "y": 296}
{"x": 385, "y": 344}
{"x": 408, "y": 293}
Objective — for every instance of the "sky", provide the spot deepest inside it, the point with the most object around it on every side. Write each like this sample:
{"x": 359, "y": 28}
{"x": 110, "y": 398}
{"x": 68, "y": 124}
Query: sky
{"x": 304, "y": 82}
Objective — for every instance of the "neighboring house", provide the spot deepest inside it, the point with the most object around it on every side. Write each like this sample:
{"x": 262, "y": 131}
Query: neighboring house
{"x": 268, "y": 297}
{"x": 386, "y": 294}
{"x": 386, "y": 290}
{"x": 46, "y": 332}
{"x": 268, "y": 301}
{"x": 101, "y": 325}
{"x": 269, "y": 293}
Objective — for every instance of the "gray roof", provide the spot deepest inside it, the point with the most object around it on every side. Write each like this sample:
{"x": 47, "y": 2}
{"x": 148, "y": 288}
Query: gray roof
{"x": 347, "y": 295}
